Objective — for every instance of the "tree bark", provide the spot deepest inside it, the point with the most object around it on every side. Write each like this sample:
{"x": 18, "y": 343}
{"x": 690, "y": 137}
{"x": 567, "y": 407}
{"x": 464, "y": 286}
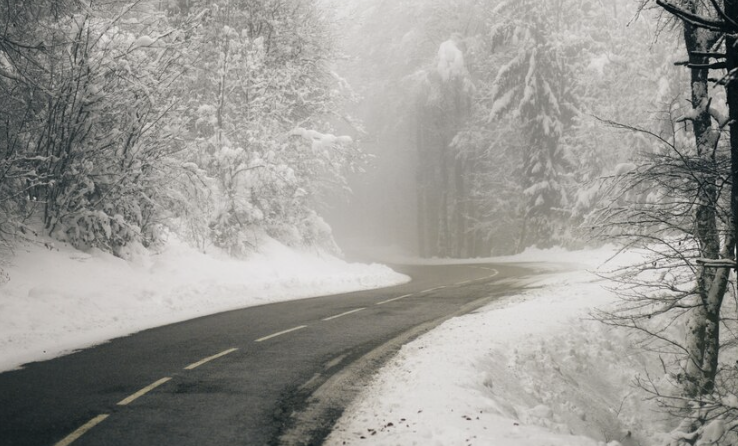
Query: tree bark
{"x": 731, "y": 10}
{"x": 699, "y": 376}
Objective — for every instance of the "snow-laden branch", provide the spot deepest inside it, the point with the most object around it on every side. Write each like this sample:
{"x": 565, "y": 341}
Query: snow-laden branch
{"x": 718, "y": 113}
{"x": 451, "y": 61}
{"x": 716, "y": 263}
{"x": 321, "y": 140}
{"x": 695, "y": 19}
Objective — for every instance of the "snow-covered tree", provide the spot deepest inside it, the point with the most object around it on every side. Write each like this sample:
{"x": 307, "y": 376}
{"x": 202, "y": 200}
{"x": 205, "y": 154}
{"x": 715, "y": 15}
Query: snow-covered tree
{"x": 580, "y": 53}
{"x": 23, "y": 53}
{"x": 260, "y": 69}
{"x": 443, "y": 105}
{"x": 122, "y": 118}
{"x": 688, "y": 222}
{"x": 93, "y": 90}
{"x": 536, "y": 86}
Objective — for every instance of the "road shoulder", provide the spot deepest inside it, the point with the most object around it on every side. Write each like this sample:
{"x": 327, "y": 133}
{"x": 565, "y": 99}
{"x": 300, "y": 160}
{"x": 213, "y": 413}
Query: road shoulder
{"x": 525, "y": 370}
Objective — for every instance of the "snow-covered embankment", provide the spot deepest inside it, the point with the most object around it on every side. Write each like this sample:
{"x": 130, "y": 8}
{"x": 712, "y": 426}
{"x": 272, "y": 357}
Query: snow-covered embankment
{"x": 61, "y": 299}
{"x": 531, "y": 370}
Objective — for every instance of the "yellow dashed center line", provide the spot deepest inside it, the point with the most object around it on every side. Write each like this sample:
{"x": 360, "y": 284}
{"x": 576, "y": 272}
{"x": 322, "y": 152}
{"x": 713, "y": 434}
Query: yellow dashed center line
{"x": 280, "y": 333}
{"x": 210, "y": 358}
{"x": 66, "y": 441}
{"x": 143, "y": 391}
{"x": 393, "y": 299}
{"x": 81, "y": 430}
{"x": 344, "y": 314}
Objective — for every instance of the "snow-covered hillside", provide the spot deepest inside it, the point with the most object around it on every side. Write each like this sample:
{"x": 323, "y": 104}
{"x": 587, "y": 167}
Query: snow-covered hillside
{"x": 59, "y": 299}
{"x": 527, "y": 370}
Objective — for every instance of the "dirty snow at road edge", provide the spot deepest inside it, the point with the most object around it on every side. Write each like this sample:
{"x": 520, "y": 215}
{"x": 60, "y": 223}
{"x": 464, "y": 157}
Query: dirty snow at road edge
{"x": 528, "y": 370}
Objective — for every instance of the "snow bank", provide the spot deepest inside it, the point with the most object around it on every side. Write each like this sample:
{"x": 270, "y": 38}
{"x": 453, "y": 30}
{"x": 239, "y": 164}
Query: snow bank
{"x": 554, "y": 259}
{"x": 527, "y": 370}
{"x": 62, "y": 299}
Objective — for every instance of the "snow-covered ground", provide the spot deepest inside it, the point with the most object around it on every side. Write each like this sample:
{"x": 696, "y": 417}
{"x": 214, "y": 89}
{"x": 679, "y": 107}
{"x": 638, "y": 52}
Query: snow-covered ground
{"x": 530, "y": 370}
{"x": 60, "y": 299}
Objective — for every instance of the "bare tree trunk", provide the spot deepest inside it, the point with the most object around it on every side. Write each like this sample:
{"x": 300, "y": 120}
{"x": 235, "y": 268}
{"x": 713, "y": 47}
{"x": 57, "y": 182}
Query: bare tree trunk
{"x": 523, "y": 237}
{"x": 421, "y": 187}
{"x": 443, "y": 220}
{"x": 698, "y": 377}
{"x": 713, "y": 307}
{"x": 731, "y": 10}
{"x": 461, "y": 212}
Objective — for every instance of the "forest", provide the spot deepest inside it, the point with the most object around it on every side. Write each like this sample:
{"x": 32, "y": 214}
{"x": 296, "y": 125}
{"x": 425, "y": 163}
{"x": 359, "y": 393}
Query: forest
{"x": 507, "y": 116}
{"x": 123, "y": 120}
{"x": 215, "y": 120}
{"x": 459, "y": 128}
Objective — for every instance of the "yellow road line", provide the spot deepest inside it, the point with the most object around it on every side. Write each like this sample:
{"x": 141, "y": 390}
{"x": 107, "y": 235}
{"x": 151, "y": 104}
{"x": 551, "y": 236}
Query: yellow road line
{"x": 81, "y": 430}
{"x": 484, "y": 267}
{"x": 210, "y": 358}
{"x": 394, "y": 299}
{"x": 280, "y": 333}
{"x": 143, "y": 391}
{"x": 491, "y": 275}
{"x": 344, "y": 314}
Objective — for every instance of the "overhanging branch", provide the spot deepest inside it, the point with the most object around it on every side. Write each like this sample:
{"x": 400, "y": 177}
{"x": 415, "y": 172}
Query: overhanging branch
{"x": 695, "y": 19}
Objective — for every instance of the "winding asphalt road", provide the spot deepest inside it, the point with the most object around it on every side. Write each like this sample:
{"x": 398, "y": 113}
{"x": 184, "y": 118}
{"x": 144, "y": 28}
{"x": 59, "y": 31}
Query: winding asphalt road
{"x": 277, "y": 374}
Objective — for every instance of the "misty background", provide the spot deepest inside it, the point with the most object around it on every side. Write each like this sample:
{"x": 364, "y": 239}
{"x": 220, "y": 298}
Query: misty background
{"x": 446, "y": 128}
{"x": 487, "y": 121}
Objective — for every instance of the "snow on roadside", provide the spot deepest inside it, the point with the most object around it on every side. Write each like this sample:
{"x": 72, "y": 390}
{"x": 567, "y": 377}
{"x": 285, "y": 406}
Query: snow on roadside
{"x": 61, "y": 299}
{"x": 530, "y": 370}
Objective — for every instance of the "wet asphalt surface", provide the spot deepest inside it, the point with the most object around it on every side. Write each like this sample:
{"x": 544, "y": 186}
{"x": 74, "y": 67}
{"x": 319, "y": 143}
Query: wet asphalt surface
{"x": 273, "y": 357}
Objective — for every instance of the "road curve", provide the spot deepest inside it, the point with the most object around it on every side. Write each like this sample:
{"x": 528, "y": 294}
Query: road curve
{"x": 266, "y": 375}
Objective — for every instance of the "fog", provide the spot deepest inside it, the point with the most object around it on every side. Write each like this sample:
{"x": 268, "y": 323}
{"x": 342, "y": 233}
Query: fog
{"x": 381, "y": 211}
{"x": 484, "y": 119}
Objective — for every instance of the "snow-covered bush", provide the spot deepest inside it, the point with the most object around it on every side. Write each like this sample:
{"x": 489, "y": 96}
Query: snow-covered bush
{"x": 259, "y": 70}
{"x": 94, "y": 137}
{"x": 139, "y": 116}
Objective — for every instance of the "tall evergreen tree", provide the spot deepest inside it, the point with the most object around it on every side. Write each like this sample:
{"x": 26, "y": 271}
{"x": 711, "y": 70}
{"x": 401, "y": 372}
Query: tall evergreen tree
{"x": 536, "y": 87}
